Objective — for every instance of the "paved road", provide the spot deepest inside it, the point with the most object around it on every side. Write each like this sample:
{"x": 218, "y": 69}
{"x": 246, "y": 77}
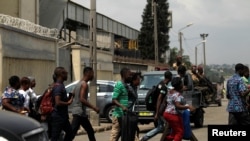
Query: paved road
{"x": 213, "y": 115}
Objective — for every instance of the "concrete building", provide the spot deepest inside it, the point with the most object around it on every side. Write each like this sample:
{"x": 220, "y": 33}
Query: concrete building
{"x": 24, "y": 9}
{"x": 26, "y": 51}
{"x": 36, "y": 36}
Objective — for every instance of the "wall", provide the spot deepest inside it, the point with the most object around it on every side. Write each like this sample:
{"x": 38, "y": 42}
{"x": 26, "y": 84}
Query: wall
{"x": 64, "y": 60}
{"x": 29, "y": 10}
{"x": 80, "y": 59}
{"x": 25, "y": 9}
{"x": 26, "y": 54}
{"x": 10, "y": 7}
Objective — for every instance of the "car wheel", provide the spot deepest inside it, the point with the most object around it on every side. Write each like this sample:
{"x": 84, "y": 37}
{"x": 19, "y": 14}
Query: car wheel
{"x": 109, "y": 113}
{"x": 199, "y": 117}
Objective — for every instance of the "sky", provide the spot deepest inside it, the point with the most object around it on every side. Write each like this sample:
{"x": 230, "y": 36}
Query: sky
{"x": 227, "y": 23}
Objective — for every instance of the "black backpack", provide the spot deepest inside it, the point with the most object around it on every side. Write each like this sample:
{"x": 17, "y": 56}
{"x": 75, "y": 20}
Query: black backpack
{"x": 151, "y": 98}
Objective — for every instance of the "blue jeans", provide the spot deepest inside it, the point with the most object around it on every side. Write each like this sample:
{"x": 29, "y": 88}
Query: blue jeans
{"x": 154, "y": 131}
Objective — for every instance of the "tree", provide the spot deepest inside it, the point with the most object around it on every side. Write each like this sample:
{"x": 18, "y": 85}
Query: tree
{"x": 173, "y": 56}
{"x": 146, "y": 38}
{"x": 186, "y": 61}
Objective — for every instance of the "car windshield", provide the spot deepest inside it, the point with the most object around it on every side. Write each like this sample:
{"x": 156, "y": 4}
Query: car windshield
{"x": 148, "y": 81}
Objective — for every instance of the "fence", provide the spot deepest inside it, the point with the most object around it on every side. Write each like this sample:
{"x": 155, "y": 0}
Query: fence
{"x": 28, "y": 26}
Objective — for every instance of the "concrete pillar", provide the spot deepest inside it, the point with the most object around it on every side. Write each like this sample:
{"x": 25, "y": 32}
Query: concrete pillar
{"x": 76, "y": 62}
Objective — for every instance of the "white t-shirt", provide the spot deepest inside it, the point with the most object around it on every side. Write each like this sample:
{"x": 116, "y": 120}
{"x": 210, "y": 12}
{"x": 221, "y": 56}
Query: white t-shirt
{"x": 171, "y": 99}
{"x": 26, "y": 98}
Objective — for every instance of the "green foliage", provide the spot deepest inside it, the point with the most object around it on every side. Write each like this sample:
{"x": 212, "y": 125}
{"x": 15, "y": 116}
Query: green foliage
{"x": 215, "y": 72}
{"x": 173, "y": 55}
{"x": 146, "y": 36}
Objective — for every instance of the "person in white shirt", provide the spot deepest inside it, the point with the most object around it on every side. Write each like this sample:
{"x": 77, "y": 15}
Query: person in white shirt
{"x": 25, "y": 84}
{"x": 33, "y": 99}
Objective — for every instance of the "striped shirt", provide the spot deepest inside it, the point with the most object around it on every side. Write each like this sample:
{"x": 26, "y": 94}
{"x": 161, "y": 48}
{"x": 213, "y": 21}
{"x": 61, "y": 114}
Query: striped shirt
{"x": 121, "y": 95}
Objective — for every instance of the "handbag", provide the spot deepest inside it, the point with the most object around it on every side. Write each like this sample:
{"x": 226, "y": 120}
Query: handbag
{"x": 129, "y": 126}
{"x": 186, "y": 124}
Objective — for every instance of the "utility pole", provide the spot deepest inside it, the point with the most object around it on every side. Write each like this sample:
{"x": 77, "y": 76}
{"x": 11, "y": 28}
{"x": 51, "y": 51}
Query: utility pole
{"x": 154, "y": 14}
{"x": 203, "y": 36}
{"x": 180, "y": 38}
{"x": 196, "y": 56}
{"x": 94, "y": 117}
{"x": 196, "y": 51}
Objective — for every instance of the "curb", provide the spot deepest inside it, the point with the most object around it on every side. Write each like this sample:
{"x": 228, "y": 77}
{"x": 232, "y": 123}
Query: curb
{"x": 106, "y": 127}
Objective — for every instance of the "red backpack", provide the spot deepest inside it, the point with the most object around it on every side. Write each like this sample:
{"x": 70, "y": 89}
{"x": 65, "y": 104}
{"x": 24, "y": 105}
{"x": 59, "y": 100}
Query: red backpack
{"x": 47, "y": 102}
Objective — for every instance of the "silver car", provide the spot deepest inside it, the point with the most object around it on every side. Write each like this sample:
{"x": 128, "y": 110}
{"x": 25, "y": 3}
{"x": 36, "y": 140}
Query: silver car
{"x": 104, "y": 97}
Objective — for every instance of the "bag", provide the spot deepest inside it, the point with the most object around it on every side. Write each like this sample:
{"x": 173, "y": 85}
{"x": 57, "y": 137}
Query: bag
{"x": 129, "y": 126}
{"x": 132, "y": 96}
{"x": 186, "y": 124}
{"x": 46, "y": 105}
{"x": 33, "y": 112}
{"x": 151, "y": 98}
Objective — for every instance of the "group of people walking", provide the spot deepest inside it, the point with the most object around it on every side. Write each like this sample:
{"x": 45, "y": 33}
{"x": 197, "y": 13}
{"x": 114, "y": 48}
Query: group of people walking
{"x": 19, "y": 97}
{"x": 170, "y": 91}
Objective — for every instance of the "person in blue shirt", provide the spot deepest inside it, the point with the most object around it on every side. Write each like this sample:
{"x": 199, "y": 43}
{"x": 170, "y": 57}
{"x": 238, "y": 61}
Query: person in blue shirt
{"x": 236, "y": 94}
{"x": 11, "y": 99}
{"x": 59, "y": 118}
